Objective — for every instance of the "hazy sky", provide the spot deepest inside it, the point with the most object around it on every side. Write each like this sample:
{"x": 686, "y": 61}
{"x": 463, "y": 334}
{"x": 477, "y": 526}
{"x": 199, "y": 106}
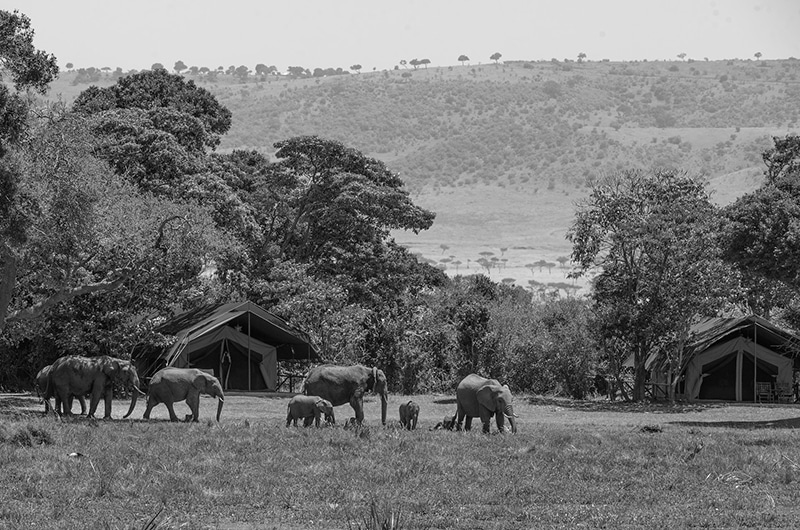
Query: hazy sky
{"x": 134, "y": 34}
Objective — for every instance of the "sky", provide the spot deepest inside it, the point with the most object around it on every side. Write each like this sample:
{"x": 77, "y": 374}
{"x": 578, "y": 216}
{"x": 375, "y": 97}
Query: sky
{"x": 378, "y": 34}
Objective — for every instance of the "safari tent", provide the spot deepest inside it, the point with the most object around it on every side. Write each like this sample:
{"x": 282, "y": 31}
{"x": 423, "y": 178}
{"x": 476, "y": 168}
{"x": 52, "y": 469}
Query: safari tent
{"x": 728, "y": 356}
{"x": 240, "y": 342}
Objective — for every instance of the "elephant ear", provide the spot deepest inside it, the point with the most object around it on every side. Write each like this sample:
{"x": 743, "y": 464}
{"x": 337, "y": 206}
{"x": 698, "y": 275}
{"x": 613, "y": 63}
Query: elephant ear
{"x": 199, "y": 381}
{"x": 485, "y": 396}
{"x": 109, "y": 367}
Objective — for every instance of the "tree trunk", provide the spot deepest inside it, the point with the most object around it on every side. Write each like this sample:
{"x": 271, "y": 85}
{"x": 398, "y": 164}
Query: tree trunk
{"x": 8, "y": 278}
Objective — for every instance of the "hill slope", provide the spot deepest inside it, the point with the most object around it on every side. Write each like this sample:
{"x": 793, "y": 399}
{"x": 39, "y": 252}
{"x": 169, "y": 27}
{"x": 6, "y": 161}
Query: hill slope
{"x": 502, "y": 152}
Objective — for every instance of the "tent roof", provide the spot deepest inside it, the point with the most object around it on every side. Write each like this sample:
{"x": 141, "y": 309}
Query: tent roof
{"x": 709, "y": 331}
{"x": 712, "y": 330}
{"x": 290, "y": 342}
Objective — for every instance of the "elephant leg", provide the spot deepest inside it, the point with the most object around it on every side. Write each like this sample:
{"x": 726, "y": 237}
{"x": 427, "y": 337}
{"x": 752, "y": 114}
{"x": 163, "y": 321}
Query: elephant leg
{"x": 467, "y": 423}
{"x": 308, "y": 420}
{"x": 82, "y": 401}
{"x": 94, "y": 401}
{"x": 108, "y": 397}
{"x": 316, "y": 418}
{"x": 500, "y": 420}
{"x": 193, "y": 400}
{"x": 459, "y": 417}
{"x": 288, "y": 418}
{"x": 171, "y": 409}
{"x": 486, "y": 418}
{"x": 357, "y": 402}
{"x": 151, "y": 402}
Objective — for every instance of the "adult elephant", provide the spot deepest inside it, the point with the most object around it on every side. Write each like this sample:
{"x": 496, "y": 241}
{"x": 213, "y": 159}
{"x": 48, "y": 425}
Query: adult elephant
{"x": 347, "y": 384}
{"x": 46, "y": 391}
{"x": 480, "y": 397}
{"x": 170, "y": 385}
{"x": 75, "y": 375}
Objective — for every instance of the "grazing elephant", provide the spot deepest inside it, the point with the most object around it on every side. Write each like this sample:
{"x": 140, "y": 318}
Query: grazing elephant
{"x": 347, "y": 384}
{"x": 409, "y": 414}
{"x": 484, "y": 398}
{"x": 170, "y": 385}
{"x": 46, "y": 391}
{"x": 309, "y": 408}
{"x": 448, "y": 423}
{"x": 77, "y": 376}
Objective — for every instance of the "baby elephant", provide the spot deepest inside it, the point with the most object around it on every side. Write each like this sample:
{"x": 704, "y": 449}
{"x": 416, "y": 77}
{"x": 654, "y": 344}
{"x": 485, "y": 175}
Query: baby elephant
{"x": 409, "y": 413}
{"x": 309, "y": 408}
{"x": 176, "y": 384}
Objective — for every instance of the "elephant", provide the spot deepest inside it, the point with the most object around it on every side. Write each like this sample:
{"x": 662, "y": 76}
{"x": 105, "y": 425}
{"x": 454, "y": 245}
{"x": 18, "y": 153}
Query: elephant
{"x": 169, "y": 385}
{"x": 46, "y": 391}
{"x": 347, "y": 384}
{"x": 409, "y": 414}
{"x": 309, "y": 408}
{"x": 75, "y": 375}
{"x": 480, "y": 397}
{"x": 448, "y": 423}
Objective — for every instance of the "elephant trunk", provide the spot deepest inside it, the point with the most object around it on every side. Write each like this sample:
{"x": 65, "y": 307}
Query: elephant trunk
{"x": 384, "y": 403}
{"x": 512, "y": 418}
{"x": 134, "y": 394}
{"x": 219, "y": 407}
{"x": 134, "y": 397}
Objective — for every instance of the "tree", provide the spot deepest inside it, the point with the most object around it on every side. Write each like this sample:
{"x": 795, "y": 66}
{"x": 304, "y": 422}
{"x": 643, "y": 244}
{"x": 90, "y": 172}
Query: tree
{"x": 356, "y": 68}
{"x": 157, "y": 66}
{"x": 757, "y": 55}
{"x": 69, "y": 66}
{"x": 28, "y": 68}
{"x": 652, "y": 238}
{"x": 581, "y": 57}
{"x": 242, "y": 72}
{"x": 763, "y": 225}
{"x": 414, "y": 63}
{"x": 462, "y": 59}
{"x": 496, "y": 57}
{"x": 179, "y": 67}
{"x": 681, "y": 56}
{"x": 425, "y": 62}
{"x": 403, "y": 63}
{"x": 160, "y": 93}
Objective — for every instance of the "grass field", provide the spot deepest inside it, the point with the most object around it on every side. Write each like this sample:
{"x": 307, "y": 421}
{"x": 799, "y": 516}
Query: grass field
{"x": 588, "y": 464}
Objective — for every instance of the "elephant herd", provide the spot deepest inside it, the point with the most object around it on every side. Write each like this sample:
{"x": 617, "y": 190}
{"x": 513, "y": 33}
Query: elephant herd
{"x": 325, "y": 387}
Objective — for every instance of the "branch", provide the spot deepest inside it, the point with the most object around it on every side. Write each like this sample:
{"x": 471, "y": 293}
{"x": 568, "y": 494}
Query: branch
{"x": 36, "y": 310}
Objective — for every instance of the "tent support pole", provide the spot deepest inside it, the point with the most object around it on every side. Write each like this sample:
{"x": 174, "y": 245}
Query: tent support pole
{"x": 755, "y": 361}
{"x": 249, "y": 360}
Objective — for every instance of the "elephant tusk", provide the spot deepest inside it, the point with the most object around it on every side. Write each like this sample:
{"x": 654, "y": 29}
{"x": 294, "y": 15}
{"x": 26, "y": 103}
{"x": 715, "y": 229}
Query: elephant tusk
{"x": 139, "y": 390}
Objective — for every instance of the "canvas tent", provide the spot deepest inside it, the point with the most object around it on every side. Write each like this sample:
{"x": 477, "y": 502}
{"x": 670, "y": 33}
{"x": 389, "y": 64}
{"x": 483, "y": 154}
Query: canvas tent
{"x": 727, "y": 356}
{"x": 240, "y": 342}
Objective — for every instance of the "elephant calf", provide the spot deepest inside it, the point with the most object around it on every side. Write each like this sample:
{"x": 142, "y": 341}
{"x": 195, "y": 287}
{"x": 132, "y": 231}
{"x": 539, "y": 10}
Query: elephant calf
{"x": 176, "y": 384}
{"x": 310, "y": 408}
{"x": 409, "y": 414}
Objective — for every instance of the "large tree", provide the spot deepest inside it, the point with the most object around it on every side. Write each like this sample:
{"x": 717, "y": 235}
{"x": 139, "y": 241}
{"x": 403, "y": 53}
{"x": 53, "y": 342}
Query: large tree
{"x": 652, "y": 238}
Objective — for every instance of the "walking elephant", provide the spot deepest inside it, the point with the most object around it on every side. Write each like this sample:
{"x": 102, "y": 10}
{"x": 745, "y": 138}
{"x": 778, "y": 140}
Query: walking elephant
{"x": 480, "y": 397}
{"x": 46, "y": 391}
{"x": 409, "y": 414}
{"x": 347, "y": 384}
{"x": 77, "y": 376}
{"x": 170, "y": 385}
{"x": 310, "y": 408}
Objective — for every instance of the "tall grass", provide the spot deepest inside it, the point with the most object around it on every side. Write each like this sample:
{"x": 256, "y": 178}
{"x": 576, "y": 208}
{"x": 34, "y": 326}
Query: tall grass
{"x": 260, "y": 475}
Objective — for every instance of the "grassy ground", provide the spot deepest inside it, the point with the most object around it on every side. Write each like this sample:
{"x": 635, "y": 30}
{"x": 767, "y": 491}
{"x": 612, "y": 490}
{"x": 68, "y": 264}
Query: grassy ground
{"x": 587, "y": 464}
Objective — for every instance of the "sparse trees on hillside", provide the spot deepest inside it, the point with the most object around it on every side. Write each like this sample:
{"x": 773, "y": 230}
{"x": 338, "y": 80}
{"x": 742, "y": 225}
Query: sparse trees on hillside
{"x": 462, "y": 59}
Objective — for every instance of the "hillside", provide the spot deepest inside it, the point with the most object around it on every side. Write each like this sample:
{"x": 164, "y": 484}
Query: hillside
{"x": 502, "y": 152}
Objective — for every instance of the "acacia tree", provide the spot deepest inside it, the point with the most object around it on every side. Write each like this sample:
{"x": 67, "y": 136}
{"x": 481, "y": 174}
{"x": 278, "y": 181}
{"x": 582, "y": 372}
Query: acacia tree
{"x": 496, "y": 57}
{"x": 650, "y": 235}
{"x": 462, "y": 59}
